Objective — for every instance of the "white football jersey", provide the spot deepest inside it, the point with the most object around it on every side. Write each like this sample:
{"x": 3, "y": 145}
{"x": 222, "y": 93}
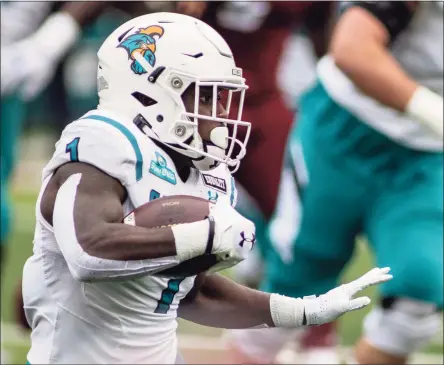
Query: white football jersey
{"x": 129, "y": 321}
{"x": 419, "y": 50}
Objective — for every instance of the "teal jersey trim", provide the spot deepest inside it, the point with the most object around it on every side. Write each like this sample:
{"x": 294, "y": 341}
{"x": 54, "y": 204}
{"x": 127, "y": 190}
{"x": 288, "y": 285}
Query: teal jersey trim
{"x": 168, "y": 294}
{"x": 232, "y": 190}
{"x": 129, "y": 136}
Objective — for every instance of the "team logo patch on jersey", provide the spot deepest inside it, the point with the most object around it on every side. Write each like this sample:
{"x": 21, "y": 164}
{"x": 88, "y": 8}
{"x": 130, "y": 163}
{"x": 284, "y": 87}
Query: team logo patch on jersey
{"x": 159, "y": 168}
{"x": 142, "y": 42}
{"x": 215, "y": 183}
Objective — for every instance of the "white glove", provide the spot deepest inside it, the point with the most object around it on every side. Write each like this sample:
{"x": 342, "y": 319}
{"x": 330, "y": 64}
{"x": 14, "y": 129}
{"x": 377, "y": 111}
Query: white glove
{"x": 328, "y": 307}
{"x": 30, "y": 63}
{"x": 234, "y": 236}
{"x": 290, "y": 312}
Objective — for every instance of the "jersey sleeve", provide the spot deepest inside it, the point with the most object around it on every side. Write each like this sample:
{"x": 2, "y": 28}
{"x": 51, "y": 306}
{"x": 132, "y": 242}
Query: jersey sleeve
{"x": 111, "y": 148}
{"x": 394, "y": 15}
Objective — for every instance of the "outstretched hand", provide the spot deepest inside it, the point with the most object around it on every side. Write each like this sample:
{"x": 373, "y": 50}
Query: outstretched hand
{"x": 328, "y": 307}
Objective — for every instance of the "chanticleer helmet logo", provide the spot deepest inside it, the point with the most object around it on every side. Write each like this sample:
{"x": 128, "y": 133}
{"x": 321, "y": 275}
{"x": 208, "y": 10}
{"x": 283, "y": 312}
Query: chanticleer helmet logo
{"x": 144, "y": 43}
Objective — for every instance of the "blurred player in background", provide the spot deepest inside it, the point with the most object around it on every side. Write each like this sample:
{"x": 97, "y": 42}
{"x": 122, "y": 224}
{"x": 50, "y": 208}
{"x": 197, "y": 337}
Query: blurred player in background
{"x": 92, "y": 279}
{"x": 366, "y": 157}
{"x": 18, "y": 21}
{"x": 27, "y": 26}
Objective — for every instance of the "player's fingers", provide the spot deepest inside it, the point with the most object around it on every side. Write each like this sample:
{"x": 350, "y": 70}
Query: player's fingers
{"x": 358, "y": 303}
{"x": 377, "y": 279}
{"x": 384, "y": 278}
{"x": 384, "y": 270}
{"x": 374, "y": 276}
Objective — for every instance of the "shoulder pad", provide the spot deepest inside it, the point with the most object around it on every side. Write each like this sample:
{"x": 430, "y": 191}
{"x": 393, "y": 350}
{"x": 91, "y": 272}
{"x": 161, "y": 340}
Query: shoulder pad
{"x": 103, "y": 142}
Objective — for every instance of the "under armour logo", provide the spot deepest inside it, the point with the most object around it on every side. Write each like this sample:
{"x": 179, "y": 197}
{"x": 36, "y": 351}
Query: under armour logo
{"x": 247, "y": 239}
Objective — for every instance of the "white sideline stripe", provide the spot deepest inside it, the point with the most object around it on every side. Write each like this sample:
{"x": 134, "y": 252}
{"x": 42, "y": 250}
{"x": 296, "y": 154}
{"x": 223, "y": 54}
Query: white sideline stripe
{"x": 13, "y": 336}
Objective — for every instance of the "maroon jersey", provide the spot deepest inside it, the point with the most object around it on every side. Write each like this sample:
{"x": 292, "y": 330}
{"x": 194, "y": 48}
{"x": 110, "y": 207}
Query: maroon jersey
{"x": 256, "y": 33}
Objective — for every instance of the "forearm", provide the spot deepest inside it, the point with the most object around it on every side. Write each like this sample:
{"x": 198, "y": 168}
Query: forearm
{"x": 113, "y": 258}
{"x": 220, "y": 302}
{"x": 359, "y": 49}
{"x": 223, "y": 303}
{"x": 111, "y": 250}
{"x": 117, "y": 241}
{"x": 114, "y": 253}
{"x": 376, "y": 73}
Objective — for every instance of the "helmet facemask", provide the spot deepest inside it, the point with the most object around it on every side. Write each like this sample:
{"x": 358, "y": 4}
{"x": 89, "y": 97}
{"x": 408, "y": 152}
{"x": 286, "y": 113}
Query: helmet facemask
{"x": 215, "y": 134}
{"x": 223, "y": 141}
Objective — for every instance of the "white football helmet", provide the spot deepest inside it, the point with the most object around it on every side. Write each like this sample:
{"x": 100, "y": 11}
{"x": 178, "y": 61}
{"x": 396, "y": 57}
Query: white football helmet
{"x": 147, "y": 63}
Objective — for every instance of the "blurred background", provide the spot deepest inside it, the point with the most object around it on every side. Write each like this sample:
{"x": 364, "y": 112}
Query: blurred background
{"x": 73, "y": 91}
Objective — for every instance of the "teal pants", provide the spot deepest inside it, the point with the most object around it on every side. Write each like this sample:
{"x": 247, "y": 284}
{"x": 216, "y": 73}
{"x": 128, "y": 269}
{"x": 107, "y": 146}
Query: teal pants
{"x": 12, "y": 113}
{"x": 359, "y": 181}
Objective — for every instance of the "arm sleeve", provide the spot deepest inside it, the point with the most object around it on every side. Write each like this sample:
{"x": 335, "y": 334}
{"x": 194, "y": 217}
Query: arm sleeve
{"x": 394, "y": 15}
{"x": 83, "y": 266}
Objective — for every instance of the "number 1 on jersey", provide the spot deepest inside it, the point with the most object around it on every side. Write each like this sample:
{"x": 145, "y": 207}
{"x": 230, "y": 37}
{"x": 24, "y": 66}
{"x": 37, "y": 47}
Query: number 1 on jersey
{"x": 73, "y": 149}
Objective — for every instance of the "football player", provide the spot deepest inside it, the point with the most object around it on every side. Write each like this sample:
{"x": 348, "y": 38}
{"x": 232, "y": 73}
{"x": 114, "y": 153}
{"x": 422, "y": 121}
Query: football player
{"x": 366, "y": 157}
{"x": 91, "y": 292}
{"x": 17, "y": 20}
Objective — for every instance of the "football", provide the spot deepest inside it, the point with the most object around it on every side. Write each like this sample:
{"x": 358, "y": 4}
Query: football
{"x": 171, "y": 210}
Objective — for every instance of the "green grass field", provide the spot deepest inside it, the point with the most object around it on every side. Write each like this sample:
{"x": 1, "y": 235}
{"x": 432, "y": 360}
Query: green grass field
{"x": 20, "y": 247}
